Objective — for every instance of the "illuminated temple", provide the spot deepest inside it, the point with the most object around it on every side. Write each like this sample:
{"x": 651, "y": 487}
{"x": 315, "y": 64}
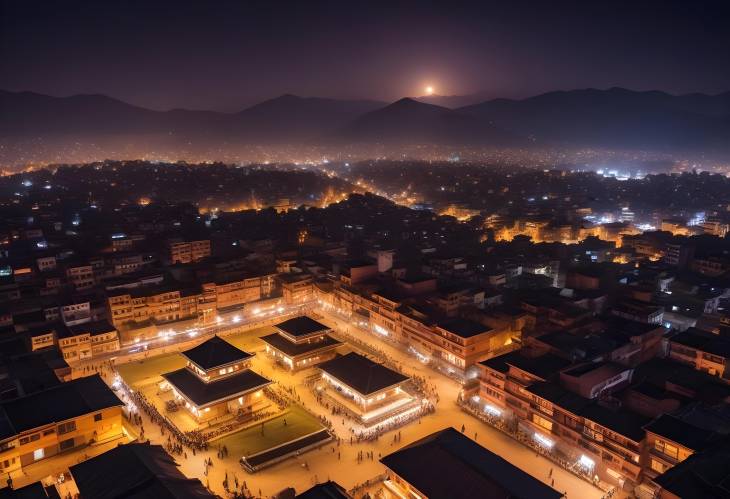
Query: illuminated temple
{"x": 369, "y": 392}
{"x": 301, "y": 342}
{"x": 216, "y": 381}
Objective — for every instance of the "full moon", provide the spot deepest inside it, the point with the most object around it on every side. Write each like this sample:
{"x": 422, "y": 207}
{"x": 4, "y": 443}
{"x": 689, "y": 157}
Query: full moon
{"x": 429, "y": 90}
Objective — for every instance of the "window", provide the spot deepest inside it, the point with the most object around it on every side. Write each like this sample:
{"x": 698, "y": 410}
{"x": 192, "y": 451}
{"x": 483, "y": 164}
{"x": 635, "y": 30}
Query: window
{"x": 66, "y": 427}
{"x": 666, "y": 449}
{"x": 39, "y": 454}
{"x": 48, "y": 432}
{"x": 658, "y": 466}
{"x": 97, "y": 417}
{"x": 66, "y": 444}
{"x": 545, "y": 423}
{"x": 595, "y": 435}
{"x": 30, "y": 438}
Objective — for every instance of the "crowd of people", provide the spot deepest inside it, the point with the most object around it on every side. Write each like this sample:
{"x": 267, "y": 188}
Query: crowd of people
{"x": 193, "y": 440}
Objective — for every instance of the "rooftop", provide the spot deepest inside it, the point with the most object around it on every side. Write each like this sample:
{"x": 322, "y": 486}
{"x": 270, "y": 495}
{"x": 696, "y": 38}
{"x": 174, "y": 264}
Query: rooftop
{"x": 622, "y": 421}
{"x": 704, "y": 341}
{"x": 93, "y": 328}
{"x": 135, "y": 470}
{"x": 301, "y": 326}
{"x": 559, "y": 396}
{"x": 215, "y": 352}
{"x": 449, "y": 465}
{"x": 544, "y": 366}
{"x": 326, "y": 490}
{"x": 293, "y": 349}
{"x": 35, "y": 490}
{"x": 56, "y": 404}
{"x": 202, "y": 393}
{"x": 463, "y": 327}
{"x": 703, "y": 475}
{"x": 361, "y": 373}
{"x": 681, "y": 432}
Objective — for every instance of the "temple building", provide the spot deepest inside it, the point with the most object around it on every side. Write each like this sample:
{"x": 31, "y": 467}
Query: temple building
{"x": 216, "y": 381}
{"x": 301, "y": 342}
{"x": 449, "y": 465}
{"x": 369, "y": 392}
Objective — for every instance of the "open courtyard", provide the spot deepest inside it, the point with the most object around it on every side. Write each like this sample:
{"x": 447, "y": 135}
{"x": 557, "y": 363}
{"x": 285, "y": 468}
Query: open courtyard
{"x": 323, "y": 462}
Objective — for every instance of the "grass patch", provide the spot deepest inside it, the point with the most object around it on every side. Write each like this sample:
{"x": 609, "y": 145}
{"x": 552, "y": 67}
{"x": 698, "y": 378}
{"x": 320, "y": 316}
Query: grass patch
{"x": 141, "y": 371}
{"x": 249, "y": 340}
{"x": 250, "y": 441}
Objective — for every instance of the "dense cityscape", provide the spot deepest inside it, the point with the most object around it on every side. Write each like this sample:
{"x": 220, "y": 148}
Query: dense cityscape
{"x": 310, "y": 250}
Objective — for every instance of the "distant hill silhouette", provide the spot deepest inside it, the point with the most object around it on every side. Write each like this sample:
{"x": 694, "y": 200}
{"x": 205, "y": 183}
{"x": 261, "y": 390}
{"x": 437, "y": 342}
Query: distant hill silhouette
{"x": 410, "y": 121}
{"x": 291, "y": 117}
{"x": 613, "y": 118}
{"x": 280, "y": 119}
{"x": 454, "y": 101}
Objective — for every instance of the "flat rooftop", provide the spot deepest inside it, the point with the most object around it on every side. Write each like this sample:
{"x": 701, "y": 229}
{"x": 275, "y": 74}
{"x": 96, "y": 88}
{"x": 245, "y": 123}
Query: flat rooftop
{"x": 362, "y": 374}
{"x": 681, "y": 432}
{"x": 543, "y": 366}
{"x": 463, "y": 328}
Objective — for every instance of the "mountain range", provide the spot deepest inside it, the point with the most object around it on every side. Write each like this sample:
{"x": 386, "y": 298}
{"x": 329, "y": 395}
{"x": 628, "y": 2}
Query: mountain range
{"x": 612, "y": 118}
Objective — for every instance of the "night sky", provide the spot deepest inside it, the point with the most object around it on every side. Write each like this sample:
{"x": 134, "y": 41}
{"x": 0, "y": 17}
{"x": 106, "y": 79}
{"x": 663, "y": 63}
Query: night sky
{"x": 227, "y": 55}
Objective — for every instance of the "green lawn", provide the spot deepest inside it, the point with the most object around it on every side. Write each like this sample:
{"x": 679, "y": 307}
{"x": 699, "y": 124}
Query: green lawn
{"x": 135, "y": 373}
{"x": 141, "y": 371}
{"x": 249, "y": 340}
{"x": 250, "y": 441}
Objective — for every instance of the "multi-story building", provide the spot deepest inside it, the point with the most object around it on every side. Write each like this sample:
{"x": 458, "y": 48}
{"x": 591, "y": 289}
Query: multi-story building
{"x": 58, "y": 419}
{"x": 81, "y": 276}
{"x": 703, "y": 474}
{"x": 297, "y": 288}
{"x": 702, "y": 350}
{"x": 670, "y": 440}
{"x": 233, "y": 292}
{"x": 188, "y": 251}
{"x": 159, "y": 304}
{"x": 526, "y": 393}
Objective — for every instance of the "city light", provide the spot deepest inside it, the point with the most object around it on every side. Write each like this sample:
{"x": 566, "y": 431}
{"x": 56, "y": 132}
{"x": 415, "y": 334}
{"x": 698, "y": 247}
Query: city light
{"x": 492, "y": 410}
{"x": 543, "y": 440}
{"x": 587, "y": 461}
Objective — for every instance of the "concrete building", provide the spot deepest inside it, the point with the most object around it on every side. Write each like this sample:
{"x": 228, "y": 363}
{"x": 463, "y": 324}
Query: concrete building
{"x": 58, "y": 419}
{"x": 702, "y": 350}
{"x": 180, "y": 251}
